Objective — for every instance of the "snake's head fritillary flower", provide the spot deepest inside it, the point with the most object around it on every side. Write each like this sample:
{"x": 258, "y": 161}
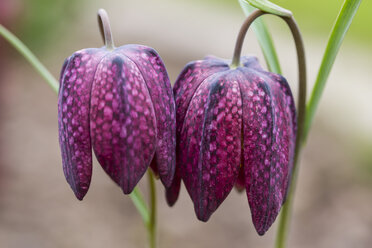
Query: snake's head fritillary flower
{"x": 119, "y": 102}
{"x": 233, "y": 121}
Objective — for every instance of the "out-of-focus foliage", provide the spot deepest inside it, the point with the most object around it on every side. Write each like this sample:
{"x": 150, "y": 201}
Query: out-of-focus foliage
{"x": 41, "y": 19}
{"x": 269, "y": 7}
{"x": 318, "y": 16}
{"x": 363, "y": 148}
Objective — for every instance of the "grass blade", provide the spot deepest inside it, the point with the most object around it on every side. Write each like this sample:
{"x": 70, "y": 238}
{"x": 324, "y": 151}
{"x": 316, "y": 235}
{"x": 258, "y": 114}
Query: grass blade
{"x": 339, "y": 30}
{"x": 269, "y": 7}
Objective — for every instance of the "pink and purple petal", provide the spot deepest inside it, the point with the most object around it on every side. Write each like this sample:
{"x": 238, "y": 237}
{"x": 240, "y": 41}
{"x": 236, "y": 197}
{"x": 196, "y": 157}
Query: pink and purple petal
{"x": 211, "y": 143}
{"x": 268, "y": 145}
{"x": 73, "y": 118}
{"x": 189, "y": 80}
{"x": 156, "y": 78}
{"x": 284, "y": 99}
{"x": 123, "y": 122}
{"x": 185, "y": 86}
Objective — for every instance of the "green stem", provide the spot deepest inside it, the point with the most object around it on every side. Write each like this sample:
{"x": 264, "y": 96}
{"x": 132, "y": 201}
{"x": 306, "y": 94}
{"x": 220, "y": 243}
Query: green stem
{"x": 140, "y": 204}
{"x": 30, "y": 57}
{"x": 151, "y": 227}
{"x": 286, "y": 209}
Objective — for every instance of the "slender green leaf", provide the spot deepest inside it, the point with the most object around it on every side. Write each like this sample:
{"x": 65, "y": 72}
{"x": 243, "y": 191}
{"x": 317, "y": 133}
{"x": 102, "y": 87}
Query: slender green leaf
{"x": 30, "y": 57}
{"x": 151, "y": 227}
{"x": 339, "y": 30}
{"x": 264, "y": 39}
{"x": 269, "y": 7}
{"x": 140, "y": 204}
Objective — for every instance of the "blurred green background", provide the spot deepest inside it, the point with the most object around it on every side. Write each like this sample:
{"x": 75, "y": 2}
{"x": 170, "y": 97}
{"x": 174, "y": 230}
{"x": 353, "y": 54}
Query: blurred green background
{"x": 37, "y": 207}
{"x": 317, "y": 16}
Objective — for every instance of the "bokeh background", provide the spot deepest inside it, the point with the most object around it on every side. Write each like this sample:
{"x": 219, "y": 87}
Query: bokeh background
{"x": 37, "y": 207}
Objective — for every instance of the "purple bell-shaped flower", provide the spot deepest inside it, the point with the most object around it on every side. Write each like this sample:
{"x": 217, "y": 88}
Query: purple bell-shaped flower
{"x": 233, "y": 121}
{"x": 119, "y": 102}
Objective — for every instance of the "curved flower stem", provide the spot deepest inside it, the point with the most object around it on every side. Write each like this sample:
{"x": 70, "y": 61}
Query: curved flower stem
{"x": 152, "y": 221}
{"x": 264, "y": 39}
{"x": 284, "y": 219}
{"x": 243, "y": 31}
{"x": 287, "y": 207}
{"x": 105, "y": 29}
{"x": 30, "y": 57}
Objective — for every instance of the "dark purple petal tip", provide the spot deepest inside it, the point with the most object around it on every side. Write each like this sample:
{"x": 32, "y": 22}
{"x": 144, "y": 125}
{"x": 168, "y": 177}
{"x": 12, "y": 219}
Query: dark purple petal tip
{"x": 240, "y": 181}
{"x": 231, "y": 122}
{"x": 172, "y": 193}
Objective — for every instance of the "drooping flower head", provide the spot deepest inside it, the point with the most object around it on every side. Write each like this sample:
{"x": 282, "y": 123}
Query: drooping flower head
{"x": 119, "y": 102}
{"x": 231, "y": 121}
